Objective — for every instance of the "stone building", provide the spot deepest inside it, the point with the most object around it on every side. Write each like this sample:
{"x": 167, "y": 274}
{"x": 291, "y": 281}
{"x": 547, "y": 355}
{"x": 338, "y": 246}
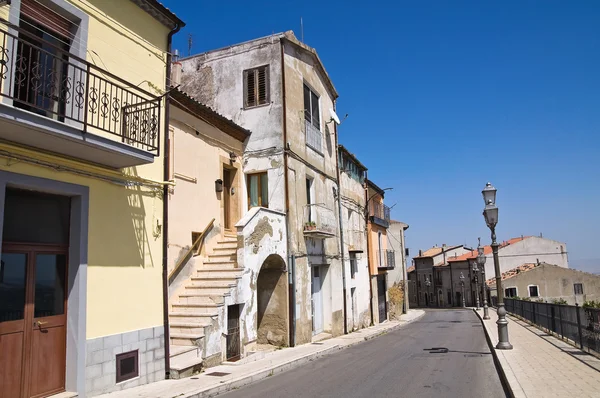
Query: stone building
{"x": 548, "y": 282}
{"x": 278, "y": 88}
{"x": 431, "y": 278}
{"x": 381, "y": 257}
{"x": 397, "y": 276}
{"x": 356, "y": 262}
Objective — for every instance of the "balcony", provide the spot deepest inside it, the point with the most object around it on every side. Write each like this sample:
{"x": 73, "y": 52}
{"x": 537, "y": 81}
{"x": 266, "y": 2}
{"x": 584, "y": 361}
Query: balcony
{"x": 319, "y": 221}
{"x": 387, "y": 259}
{"x": 379, "y": 214}
{"x": 314, "y": 138}
{"x": 57, "y": 102}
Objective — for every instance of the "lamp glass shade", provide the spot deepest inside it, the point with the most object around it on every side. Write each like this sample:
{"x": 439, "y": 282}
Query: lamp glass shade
{"x": 491, "y": 216}
{"x": 489, "y": 194}
{"x": 480, "y": 256}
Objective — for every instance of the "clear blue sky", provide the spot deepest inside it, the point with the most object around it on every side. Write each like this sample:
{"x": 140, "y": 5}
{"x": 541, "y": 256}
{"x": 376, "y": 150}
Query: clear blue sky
{"x": 443, "y": 96}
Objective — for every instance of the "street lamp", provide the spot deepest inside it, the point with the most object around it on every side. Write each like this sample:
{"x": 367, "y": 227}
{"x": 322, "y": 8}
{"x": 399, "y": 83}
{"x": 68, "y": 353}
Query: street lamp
{"x": 427, "y": 283}
{"x": 490, "y": 213}
{"x": 475, "y": 271}
{"x": 481, "y": 263}
{"x": 462, "y": 286}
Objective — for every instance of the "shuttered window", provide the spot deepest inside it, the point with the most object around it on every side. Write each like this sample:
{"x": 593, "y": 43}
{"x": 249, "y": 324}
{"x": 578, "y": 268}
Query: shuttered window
{"x": 256, "y": 86}
{"x": 49, "y": 19}
{"x": 311, "y": 107}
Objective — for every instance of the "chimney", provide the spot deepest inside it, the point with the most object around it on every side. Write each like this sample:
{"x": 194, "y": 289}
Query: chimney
{"x": 420, "y": 253}
{"x": 176, "y": 69}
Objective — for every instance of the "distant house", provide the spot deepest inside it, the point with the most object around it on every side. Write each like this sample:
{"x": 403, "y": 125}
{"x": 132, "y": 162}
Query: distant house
{"x": 548, "y": 282}
{"x": 512, "y": 253}
{"x": 430, "y": 277}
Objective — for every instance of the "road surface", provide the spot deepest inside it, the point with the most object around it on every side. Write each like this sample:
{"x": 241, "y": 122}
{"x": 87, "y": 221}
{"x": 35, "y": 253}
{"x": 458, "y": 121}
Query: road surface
{"x": 443, "y": 354}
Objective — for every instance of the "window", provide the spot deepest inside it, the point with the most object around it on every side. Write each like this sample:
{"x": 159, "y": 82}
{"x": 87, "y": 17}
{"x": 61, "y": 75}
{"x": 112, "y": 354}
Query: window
{"x": 380, "y": 252}
{"x": 311, "y": 108}
{"x": 41, "y": 64}
{"x": 533, "y": 291}
{"x": 578, "y": 287}
{"x": 258, "y": 190}
{"x": 127, "y": 366}
{"x": 510, "y": 292}
{"x": 256, "y": 86}
{"x": 353, "y": 265}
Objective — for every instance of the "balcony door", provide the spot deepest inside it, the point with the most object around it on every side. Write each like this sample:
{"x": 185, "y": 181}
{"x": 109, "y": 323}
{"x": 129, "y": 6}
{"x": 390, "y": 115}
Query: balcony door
{"x": 41, "y": 83}
{"x": 33, "y": 294}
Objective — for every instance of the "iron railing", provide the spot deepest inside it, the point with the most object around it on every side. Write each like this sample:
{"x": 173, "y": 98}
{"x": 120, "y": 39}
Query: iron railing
{"x": 379, "y": 213}
{"x": 578, "y": 324}
{"x": 319, "y": 220}
{"x": 314, "y": 138}
{"x": 388, "y": 259}
{"x": 43, "y": 78}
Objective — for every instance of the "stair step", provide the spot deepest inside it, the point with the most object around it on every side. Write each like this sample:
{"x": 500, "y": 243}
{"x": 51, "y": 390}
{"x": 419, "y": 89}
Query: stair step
{"x": 203, "y": 282}
{"x": 184, "y": 351}
{"x": 186, "y": 328}
{"x": 220, "y": 274}
{"x": 201, "y": 299}
{"x": 229, "y": 280}
{"x": 222, "y": 255}
{"x": 182, "y": 367}
{"x": 211, "y": 263}
{"x": 213, "y": 291}
{"x": 224, "y": 247}
{"x": 179, "y": 317}
{"x": 218, "y": 269}
{"x": 227, "y": 241}
{"x": 209, "y": 309}
{"x": 186, "y": 339}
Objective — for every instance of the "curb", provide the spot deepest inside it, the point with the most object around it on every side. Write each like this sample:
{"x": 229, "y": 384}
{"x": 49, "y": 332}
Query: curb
{"x": 263, "y": 374}
{"x": 503, "y": 379}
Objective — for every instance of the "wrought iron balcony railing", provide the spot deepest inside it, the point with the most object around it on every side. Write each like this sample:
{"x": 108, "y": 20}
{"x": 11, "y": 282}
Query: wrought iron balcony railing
{"x": 380, "y": 214}
{"x": 387, "y": 259}
{"x": 314, "y": 138}
{"x": 41, "y": 77}
{"x": 319, "y": 221}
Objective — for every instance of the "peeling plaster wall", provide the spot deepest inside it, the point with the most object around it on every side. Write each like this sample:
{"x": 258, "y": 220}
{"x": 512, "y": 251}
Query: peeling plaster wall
{"x": 300, "y": 69}
{"x": 355, "y": 238}
{"x": 261, "y": 233}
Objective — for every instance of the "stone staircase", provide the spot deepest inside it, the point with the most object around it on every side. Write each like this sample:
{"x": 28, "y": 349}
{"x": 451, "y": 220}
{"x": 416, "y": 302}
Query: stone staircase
{"x": 197, "y": 312}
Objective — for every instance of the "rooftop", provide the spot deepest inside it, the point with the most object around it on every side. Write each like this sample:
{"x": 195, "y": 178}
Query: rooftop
{"x": 512, "y": 272}
{"x": 352, "y": 156}
{"x": 434, "y": 251}
{"x": 160, "y": 12}
{"x": 184, "y": 101}
{"x": 486, "y": 250}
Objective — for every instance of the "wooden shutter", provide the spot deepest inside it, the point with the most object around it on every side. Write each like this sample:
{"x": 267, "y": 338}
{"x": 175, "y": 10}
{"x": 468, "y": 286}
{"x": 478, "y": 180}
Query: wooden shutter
{"x": 46, "y": 17}
{"x": 263, "y": 85}
{"x": 256, "y": 87}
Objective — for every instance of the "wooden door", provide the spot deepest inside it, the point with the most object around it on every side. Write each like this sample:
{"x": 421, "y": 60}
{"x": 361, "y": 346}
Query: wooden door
{"x": 36, "y": 343}
{"x": 381, "y": 298}
{"x": 317, "y": 300}
{"x": 226, "y": 198}
{"x": 233, "y": 333}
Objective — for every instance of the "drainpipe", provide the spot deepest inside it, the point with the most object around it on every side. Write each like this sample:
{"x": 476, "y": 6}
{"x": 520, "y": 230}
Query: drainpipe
{"x": 165, "y": 228}
{"x": 369, "y": 248}
{"x": 292, "y": 278}
{"x": 339, "y": 194}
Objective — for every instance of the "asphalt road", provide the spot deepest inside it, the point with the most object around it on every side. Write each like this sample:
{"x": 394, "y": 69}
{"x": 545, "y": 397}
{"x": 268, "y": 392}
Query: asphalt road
{"x": 443, "y": 354}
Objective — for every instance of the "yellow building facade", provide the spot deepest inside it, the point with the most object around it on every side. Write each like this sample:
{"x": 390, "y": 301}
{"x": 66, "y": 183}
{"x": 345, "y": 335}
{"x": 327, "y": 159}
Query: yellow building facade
{"x": 82, "y": 111}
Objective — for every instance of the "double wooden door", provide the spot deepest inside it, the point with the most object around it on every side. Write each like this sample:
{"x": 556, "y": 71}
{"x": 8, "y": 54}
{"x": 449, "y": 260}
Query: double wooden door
{"x": 33, "y": 307}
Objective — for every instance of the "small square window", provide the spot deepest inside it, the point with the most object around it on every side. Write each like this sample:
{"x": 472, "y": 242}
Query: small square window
{"x": 533, "y": 291}
{"x": 127, "y": 366}
{"x": 510, "y": 292}
{"x": 578, "y": 287}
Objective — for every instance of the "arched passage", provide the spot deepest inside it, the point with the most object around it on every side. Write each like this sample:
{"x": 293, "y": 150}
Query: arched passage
{"x": 272, "y": 303}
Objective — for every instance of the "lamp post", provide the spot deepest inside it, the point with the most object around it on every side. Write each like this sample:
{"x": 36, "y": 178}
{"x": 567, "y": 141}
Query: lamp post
{"x": 475, "y": 271}
{"x": 427, "y": 283}
{"x": 462, "y": 287}
{"x": 481, "y": 263}
{"x": 490, "y": 213}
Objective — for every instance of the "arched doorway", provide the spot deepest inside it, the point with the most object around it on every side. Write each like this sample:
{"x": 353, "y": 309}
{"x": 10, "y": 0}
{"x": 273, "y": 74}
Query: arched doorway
{"x": 272, "y": 297}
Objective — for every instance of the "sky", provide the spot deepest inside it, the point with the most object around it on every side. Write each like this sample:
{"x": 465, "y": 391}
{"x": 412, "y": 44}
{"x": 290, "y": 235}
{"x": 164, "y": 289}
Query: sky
{"x": 444, "y": 96}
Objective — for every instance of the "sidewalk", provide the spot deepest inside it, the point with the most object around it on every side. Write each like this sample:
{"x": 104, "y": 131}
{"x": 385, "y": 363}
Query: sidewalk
{"x": 540, "y": 365}
{"x": 257, "y": 366}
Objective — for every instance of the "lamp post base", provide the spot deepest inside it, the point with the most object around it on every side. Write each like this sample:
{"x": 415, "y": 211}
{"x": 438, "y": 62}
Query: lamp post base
{"x": 502, "y": 323}
{"x": 486, "y": 314}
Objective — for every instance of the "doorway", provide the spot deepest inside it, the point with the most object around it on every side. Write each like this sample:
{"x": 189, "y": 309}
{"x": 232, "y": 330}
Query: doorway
{"x": 317, "y": 300}
{"x": 233, "y": 332}
{"x": 381, "y": 298}
{"x": 227, "y": 198}
{"x": 33, "y": 294}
